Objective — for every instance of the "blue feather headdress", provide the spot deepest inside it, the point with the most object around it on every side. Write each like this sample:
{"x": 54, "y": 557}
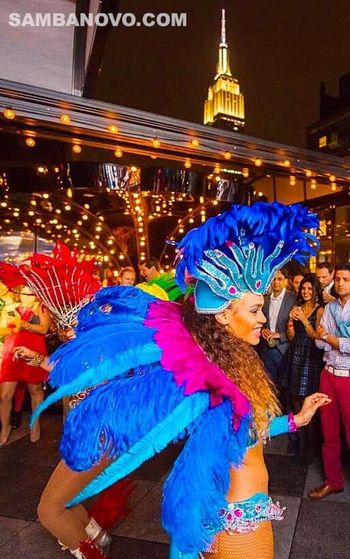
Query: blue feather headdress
{"x": 240, "y": 250}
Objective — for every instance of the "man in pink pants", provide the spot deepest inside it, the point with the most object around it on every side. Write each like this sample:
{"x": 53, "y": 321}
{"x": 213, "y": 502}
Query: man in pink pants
{"x": 333, "y": 335}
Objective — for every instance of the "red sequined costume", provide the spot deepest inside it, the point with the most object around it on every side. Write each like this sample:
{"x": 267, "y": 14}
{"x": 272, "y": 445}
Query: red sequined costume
{"x": 19, "y": 370}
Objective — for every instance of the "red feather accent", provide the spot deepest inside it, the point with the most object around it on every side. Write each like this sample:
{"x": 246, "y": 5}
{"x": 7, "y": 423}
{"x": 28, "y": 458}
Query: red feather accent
{"x": 91, "y": 551}
{"x": 63, "y": 283}
{"x": 10, "y": 275}
{"x": 111, "y": 505}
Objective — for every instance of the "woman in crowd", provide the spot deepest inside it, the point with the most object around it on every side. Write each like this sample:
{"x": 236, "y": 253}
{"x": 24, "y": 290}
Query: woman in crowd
{"x": 300, "y": 375}
{"x": 30, "y": 324}
{"x": 162, "y": 370}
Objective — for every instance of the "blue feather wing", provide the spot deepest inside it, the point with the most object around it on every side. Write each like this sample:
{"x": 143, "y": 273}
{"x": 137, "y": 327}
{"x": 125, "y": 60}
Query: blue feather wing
{"x": 118, "y": 300}
{"x": 108, "y": 369}
{"x": 91, "y": 348}
{"x": 197, "y": 486}
{"x": 114, "y": 416}
{"x": 190, "y": 408}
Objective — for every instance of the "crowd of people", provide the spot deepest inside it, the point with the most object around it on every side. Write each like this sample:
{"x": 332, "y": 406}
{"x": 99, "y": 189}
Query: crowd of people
{"x": 298, "y": 324}
{"x": 305, "y": 347}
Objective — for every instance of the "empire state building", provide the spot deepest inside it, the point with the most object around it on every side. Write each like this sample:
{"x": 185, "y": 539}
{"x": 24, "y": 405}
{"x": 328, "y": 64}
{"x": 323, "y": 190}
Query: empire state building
{"x": 224, "y": 106}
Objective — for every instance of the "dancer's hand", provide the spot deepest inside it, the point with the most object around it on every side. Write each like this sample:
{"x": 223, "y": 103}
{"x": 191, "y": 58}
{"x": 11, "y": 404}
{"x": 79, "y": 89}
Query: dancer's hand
{"x": 22, "y": 352}
{"x": 310, "y": 406}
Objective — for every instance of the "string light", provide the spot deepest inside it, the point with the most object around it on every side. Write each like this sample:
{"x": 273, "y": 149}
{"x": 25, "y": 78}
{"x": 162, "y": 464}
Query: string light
{"x": 258, "y": 162}
{"x": 156, "y": 142}
{"x": 65, "y": 119}
{"x": 9, "y": 113}
{"x": 118, "y": 152}
{"x": 245, "y": 172}
{"x": 286, "y": 163}
{"x": 227, "y": 155}
{"x": 308, "y": 173}
{"x": 194, "y": 143}
{"x": 113, "y": 129}
{"x": 187, "y": 164}
{"x": 76, "y": 148}
{"x": 332, "y": 178}
{"x": 30, "y": 142}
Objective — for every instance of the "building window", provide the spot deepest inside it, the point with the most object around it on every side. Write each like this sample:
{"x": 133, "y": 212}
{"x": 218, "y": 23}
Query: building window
{"x": 322, "y": 142}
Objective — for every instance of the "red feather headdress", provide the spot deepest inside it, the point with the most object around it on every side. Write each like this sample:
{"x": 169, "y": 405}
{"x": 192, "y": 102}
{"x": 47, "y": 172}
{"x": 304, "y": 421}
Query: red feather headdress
{"x": 63, "y": 283}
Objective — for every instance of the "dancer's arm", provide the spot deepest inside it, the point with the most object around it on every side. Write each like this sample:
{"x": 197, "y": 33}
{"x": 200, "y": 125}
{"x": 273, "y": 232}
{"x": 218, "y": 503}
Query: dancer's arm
{"x": 32, "y": 358}
{"x": 289, "y": 423}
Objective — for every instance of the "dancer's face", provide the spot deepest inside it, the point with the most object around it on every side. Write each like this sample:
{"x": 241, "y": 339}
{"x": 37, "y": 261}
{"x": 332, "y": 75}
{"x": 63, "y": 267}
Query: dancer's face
{"x": 244, "y": 318}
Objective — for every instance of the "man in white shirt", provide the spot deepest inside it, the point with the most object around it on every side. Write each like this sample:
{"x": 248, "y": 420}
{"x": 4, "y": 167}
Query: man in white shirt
{"x": 276, "y": 309}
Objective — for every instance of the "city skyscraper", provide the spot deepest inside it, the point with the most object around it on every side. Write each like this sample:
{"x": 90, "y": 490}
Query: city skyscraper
{"x": 224, "y": 106}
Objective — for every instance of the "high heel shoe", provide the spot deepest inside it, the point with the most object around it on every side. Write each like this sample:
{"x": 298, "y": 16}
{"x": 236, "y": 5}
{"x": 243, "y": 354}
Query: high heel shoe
{"x": 88, "y": 550}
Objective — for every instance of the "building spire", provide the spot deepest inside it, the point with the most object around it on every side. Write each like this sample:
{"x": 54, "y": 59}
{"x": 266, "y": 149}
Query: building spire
{"x": 223, "y": 28}
{"x": 223, "y": 65}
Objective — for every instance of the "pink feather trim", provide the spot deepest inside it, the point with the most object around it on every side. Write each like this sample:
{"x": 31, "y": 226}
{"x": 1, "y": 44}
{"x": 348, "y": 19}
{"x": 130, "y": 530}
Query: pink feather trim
{"x": 191, "y": 368}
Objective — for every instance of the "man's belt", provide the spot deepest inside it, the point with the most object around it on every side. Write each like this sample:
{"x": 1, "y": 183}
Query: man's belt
{"x": 338, "y": 372}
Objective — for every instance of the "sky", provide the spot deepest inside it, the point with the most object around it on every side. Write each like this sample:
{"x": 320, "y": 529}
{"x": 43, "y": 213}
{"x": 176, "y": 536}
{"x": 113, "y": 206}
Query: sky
{"x": 280, "y": 51}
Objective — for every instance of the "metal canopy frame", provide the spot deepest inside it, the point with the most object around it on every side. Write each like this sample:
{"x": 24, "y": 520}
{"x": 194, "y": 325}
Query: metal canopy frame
{"x": 38, "y": 113}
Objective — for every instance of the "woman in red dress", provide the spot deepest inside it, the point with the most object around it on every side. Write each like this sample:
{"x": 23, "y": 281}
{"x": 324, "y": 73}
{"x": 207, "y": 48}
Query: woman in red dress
{"x": 29, "y": 328}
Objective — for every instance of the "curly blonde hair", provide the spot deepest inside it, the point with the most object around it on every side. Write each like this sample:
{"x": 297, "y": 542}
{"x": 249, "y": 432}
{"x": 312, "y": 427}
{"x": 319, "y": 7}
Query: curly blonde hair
{"x": 239, "y": 361}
